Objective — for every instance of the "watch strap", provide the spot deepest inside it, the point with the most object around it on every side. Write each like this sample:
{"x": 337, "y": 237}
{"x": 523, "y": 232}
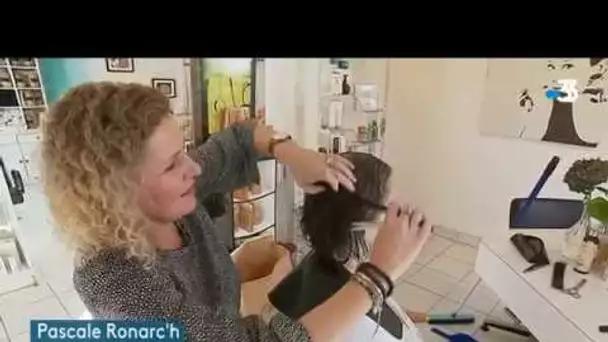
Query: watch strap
{"x": 276, "y": 141}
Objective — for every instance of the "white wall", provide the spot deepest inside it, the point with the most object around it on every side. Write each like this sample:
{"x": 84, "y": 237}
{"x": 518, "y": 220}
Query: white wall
{"x": 366, "y": 70}
{"x": 463, "y": 180}
{"x": 280, "y": 78}
{"x": 145, "y": 70}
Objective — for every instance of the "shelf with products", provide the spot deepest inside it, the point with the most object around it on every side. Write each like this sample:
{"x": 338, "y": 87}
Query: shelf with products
{"x": 253, "y": 218}
{"x": 22, "y": 96}
{"x": 352, "y": 115}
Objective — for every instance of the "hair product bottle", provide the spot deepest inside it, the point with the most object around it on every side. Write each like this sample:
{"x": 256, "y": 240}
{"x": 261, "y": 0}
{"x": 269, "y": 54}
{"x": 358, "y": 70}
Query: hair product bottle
{"x": 374, "y": 133}
{"x": 345, "y": 86}
{"x": 589, "y": 249}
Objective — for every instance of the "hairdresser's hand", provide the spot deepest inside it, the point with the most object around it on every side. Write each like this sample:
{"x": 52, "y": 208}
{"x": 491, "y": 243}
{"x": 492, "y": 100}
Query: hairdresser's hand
{"x": 309, "y": 167}
{"x": 399, "y": 240}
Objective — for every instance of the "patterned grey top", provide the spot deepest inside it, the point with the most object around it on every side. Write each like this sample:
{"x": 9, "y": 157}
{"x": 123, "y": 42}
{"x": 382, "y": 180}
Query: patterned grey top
{"x": 197, "y": 284}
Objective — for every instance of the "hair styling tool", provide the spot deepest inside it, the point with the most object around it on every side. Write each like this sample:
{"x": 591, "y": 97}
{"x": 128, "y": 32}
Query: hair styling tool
{"x": 538, "y": 187}
{"x": 450, "y": 318}
{"x": 557, "y": 279}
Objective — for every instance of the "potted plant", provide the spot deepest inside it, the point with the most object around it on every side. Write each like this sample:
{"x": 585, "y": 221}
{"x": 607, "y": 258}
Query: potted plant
{"x": 587, "y": 177}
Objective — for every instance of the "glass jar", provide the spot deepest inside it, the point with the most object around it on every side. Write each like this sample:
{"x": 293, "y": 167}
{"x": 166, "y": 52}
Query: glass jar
{"x": 574, "y": 237}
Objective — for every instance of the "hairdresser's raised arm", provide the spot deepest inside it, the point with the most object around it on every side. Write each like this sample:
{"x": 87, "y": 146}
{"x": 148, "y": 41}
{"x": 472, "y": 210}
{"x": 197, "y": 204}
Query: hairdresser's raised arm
{"x": 229, "y": 160}
{"x": 307, "y": 166}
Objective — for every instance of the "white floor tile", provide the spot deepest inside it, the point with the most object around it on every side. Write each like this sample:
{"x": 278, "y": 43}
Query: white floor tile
{"x": 438, "y": 243}
{"x": 435, "y": 246}
{"x": 57, "y": 272}
{"x": 462, "y": 253}
{"x": 446, "y": 233}
{"x": 414, "y": 268}
{"x": 434, "y": 281}
{"x": 27, "y": 295}
{"x": 495, "y": 335}
{"x": 3, "y": 333}
{"x": 451, "y": 267}
{"x": 414, "y": 298}
{"x": 21, "y": 338}
{"x": 464, "y": 288}
{"x": 17, "y": 317}
{"x": 426, "y": 256}
{"x": 447, "y": 305}
{"x": 468, "y": 239}
{"x": 60, "y": 283}
{"x": 72, "y": 304}
{"x": 482, "y": 299}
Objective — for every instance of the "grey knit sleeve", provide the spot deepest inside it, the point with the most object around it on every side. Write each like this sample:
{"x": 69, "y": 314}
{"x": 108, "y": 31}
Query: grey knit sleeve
{"x": 228, "y": 160}
{"x": 127, "y": 291}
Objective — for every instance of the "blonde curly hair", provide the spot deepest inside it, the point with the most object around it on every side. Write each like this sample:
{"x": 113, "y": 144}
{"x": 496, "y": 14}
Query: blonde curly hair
{"x": 93, "y": 141}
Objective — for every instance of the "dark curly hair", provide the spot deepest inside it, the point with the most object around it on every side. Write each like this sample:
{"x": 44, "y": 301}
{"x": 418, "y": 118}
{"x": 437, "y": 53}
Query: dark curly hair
{"x": 328, "y": 217}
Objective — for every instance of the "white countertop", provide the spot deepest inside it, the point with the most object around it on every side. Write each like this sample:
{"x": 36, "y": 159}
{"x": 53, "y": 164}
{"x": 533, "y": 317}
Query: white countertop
{"x": 585, "y": 314}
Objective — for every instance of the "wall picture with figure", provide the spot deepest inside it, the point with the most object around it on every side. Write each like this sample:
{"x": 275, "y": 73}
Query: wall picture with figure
{"x": 558, "y": 100}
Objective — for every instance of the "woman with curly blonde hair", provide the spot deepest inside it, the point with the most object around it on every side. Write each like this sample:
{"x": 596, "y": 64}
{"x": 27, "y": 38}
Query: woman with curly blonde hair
{"x": 122, "y": 189}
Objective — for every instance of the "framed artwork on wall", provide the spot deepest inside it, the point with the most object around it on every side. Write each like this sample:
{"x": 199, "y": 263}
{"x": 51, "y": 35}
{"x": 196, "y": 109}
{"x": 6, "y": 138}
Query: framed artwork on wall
{"x": 165, "y": 86}
{"x": 120, "y": 65}
{"x": 556, "y": 100}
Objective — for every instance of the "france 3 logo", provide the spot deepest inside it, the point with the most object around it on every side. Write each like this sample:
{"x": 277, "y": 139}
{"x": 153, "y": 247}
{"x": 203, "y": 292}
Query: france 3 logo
{"x": 565, "y": 91}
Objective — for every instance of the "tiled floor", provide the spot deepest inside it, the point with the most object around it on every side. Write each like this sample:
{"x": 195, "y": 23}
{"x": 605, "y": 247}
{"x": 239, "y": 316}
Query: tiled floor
{"x": 54, "y": 297}
{"x": 439, "y": 281}
{"x": 443, "y": 278}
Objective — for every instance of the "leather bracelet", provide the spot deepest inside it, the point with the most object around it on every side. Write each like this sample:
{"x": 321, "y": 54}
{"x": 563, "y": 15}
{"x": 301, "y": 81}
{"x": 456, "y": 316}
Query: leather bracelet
{"x": 382, "y": 274}
{"x": 379, "y": 277}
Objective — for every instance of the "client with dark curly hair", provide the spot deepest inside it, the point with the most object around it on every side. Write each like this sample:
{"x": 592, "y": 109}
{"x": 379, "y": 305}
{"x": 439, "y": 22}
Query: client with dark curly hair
{"x": 340, "y": 228}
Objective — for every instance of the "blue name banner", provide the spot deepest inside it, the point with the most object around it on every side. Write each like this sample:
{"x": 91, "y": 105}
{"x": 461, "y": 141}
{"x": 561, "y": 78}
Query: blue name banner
{"x": 106, "y": 330}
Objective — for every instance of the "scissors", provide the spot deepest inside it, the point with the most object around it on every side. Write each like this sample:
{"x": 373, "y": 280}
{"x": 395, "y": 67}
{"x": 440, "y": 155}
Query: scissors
{"x": 574, "y": 291}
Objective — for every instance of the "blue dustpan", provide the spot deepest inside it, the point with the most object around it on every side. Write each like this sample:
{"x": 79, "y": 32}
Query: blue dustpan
{"x": 457, "y": 337}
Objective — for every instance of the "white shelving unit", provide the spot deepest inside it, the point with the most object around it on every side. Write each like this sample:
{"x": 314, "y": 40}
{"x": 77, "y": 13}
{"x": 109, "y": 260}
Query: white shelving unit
{"x": 263, "y": 202}
{"x": 22, "y": 103}
{"x": 362, "y": 129}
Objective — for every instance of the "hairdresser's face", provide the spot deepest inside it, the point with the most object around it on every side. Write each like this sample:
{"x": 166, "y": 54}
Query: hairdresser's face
{"x": 168, "y": 175}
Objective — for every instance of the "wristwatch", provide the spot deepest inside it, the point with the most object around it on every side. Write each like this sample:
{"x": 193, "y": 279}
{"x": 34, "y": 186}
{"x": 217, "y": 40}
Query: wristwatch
{"x": 277, "y": 139}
